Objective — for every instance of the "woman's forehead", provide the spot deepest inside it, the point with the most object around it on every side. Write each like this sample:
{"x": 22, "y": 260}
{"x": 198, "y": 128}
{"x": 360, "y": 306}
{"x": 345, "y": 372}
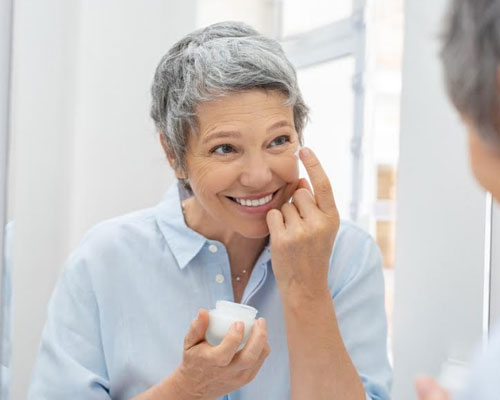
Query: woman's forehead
{"x": 236, "y": 110}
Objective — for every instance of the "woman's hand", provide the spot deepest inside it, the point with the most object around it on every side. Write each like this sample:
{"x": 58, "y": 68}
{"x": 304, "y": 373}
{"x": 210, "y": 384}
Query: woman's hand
{"x": 303, "y": 233}
{"x": 429, "y": 389}
{"x": 209, "y": 372}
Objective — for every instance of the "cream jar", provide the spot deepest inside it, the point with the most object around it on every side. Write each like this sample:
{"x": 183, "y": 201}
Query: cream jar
{"x": 224, "y": 314}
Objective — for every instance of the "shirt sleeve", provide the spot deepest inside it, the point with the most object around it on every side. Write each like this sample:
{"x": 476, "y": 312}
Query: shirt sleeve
{"x": 483, "y": 382}
{"x": 360, "y": 309}
{"x": 70, "y": 363}
{"x": 7, "y": 308}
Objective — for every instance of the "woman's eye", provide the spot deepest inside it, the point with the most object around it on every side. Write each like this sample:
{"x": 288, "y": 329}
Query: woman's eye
{"x": 280, "y": 140}
{"x": 223, "y": 149}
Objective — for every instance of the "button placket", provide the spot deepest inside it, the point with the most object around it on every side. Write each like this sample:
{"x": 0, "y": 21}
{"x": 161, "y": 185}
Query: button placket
{"x": 255, "y": 282}
{"x": 219, "y": 277}
{"x": 219, "y": 271}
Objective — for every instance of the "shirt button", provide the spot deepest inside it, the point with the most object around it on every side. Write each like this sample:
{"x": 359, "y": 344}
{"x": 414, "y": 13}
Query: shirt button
{"x": 219, "y": 278}
{"x": 212, "y": 248}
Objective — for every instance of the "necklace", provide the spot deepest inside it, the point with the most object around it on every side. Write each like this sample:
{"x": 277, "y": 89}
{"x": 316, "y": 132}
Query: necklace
{"x": 239, "y": 278}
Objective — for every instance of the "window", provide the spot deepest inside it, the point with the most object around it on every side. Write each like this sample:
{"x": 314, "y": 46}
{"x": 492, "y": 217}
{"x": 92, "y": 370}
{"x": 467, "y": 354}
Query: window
{"x": 348, "y": 55}
{"x": 297, "y": 18}
{"x": 327, "y": 90}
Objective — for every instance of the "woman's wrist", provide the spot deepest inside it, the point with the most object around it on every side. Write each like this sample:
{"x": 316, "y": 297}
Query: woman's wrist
{"x": 174, "y": 387}
{"x": 299, "y": 299}
{"x": 170, "y": 388}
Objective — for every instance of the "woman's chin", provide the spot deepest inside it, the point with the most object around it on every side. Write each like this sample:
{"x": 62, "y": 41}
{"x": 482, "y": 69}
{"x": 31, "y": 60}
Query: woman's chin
{"x": 255, "y": 231}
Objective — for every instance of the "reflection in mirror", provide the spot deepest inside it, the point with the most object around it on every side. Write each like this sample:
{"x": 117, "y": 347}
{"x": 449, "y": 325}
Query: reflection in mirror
{"x": 83, "y": 150}
{"x": 89, "y": 152}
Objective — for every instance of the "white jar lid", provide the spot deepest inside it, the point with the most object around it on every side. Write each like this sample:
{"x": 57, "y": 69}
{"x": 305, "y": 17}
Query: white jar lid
{"x": 242, "y": 311}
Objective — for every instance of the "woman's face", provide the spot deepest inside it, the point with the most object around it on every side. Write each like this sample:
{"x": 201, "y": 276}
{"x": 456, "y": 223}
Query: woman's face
{"x": 485, "y": 162}
{"x": 242, "y": 163}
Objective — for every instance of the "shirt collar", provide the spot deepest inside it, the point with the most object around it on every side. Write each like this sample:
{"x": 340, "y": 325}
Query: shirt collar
{"x": 184, "y": 243}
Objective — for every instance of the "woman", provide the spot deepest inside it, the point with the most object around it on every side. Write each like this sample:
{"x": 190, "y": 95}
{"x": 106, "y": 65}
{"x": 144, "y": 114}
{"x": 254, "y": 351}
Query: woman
{"x": 471, "y": 61}
{"x": 230, "y": 118}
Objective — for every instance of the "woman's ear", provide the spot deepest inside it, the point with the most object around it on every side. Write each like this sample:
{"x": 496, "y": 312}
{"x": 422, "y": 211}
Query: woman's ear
{"x": 179, "y": 173}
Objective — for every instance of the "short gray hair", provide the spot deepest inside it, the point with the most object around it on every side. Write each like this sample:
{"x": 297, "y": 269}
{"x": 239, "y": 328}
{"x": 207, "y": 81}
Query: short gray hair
{"x": 222, "y": 58}
{"x": 471, "y": 55}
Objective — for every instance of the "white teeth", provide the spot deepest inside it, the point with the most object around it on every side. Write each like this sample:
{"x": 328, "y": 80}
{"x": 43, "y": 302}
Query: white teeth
{"x": 254, "y": 203}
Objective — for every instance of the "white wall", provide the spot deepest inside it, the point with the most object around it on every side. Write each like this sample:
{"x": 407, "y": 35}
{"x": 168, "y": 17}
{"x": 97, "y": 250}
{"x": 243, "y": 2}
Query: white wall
{"x": 440, "y": 216}
{"x": 120, "y": 45}
{"x": 42, "y": 112}
{"x": 84, "y": 147}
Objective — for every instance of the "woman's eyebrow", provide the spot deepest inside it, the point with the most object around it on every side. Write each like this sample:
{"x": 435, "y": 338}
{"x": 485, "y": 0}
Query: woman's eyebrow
{"x": 279, "y": 124}
{"x": 221, "y": 134}
{"x": 235, "y": 134}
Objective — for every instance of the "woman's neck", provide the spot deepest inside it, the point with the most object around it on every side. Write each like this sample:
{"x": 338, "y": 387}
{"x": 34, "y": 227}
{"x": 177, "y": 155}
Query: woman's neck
{"x": 239, "y": 248}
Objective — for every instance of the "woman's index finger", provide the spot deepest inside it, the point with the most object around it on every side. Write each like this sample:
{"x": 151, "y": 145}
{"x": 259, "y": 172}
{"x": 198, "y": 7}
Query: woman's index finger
{"x": 321, "y": 184}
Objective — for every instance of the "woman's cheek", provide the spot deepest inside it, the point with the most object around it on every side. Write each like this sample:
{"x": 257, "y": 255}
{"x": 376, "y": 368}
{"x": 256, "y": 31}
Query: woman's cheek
{"x": 205, "y": 175}
{"x": 288, "y": 167}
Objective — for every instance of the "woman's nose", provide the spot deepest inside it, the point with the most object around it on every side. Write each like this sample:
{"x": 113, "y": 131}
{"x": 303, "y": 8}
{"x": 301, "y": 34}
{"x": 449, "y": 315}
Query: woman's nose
{"x": 256, "y": 172}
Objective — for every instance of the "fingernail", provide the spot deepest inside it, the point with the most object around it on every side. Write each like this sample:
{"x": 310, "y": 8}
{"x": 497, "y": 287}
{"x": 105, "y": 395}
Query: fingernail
{"x": 305, "y": 152}
{"x": 424, "y": 386}
{"x": 262, "y": 322}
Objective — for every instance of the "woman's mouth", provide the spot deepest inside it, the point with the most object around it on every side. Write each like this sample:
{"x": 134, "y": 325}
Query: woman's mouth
{"x": 255, "y": 205}
{"x": 254, "y": 202}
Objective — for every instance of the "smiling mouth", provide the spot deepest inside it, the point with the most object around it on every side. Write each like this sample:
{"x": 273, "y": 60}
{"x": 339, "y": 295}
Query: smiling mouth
{"x": 253, "y": 202}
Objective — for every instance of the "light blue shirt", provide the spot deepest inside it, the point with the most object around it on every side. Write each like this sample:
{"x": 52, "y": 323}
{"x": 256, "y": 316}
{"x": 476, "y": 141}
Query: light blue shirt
{"x": 484, "y": 378}
{"x": 7, "y": 307}
{"x": 123, "y": 304}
